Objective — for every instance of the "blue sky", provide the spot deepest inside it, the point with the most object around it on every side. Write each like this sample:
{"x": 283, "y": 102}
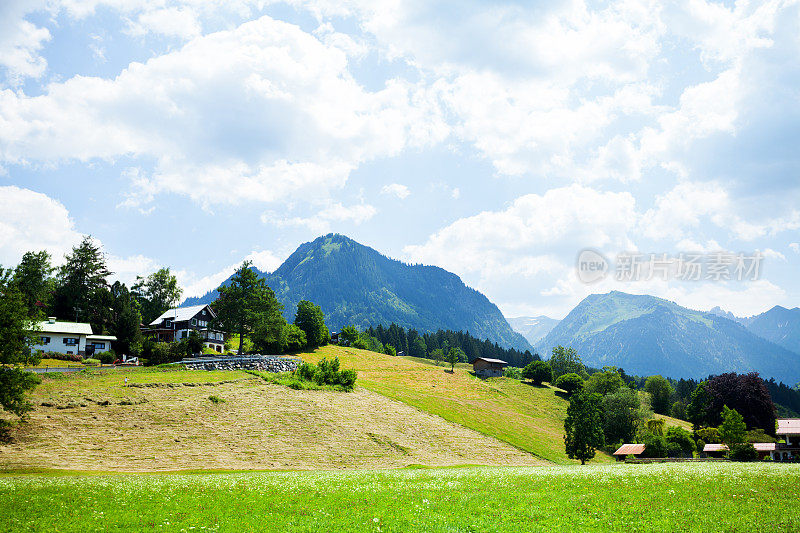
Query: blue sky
{"x": 494, "y": 139}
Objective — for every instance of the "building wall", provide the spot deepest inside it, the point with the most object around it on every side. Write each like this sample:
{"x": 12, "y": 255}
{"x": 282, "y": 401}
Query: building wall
{"x": 56, "y": 343}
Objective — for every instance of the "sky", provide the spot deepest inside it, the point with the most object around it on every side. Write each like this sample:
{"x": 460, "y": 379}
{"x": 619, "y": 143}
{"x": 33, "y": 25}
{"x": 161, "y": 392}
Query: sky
{"x": 497, "y": 140}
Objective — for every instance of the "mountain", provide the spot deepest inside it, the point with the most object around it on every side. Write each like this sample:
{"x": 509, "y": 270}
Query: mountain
{"x": 725, "y": 314}
{"x": 533, "y": 328}
{"x": 355, "y": 284}
{"x": 779, "y": 325}
{"x": 646, "y": 335}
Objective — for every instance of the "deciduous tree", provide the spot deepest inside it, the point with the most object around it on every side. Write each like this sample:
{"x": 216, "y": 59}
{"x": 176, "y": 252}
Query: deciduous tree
{"x": 583, "y": 429}
{"x": 310, "y": 319}
{"x": 565, "y": 361}
{"x": 156, "y": 293}
{"x": 660, "y": 393}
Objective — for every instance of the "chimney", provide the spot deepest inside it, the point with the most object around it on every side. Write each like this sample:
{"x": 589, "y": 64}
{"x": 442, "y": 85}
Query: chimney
{"x": 51, "y": 320}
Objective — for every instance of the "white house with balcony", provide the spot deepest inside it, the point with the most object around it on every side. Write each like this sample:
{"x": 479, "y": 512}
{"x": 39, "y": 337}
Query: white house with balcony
{"x": 70, "y": 338}
{"x": 176, "y": 324}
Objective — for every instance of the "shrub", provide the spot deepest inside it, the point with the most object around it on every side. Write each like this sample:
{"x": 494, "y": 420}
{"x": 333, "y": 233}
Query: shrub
{"x": 681, "y": 438}
{"x": 306, "y": 372}
{"x": 58, "y": 356}
{"x": 743, "y": 452}
{"x": 216, "y": 399}
{"x": 347, "y": 379}
{"x": 511, "y": 372}
{"x": 107, "y": 358}
{"x": 654, "y": 446}
{"x": 91, "y": 362}
{"x": 538, "y": 372}
{"x": 708, "y": 435}
{"x": 569, "y": 383}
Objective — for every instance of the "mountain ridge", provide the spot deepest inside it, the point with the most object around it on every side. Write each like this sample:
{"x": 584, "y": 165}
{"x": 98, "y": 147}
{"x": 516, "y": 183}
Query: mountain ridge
{"x": 648, "y": 335}
{"x": 355, "y": 284}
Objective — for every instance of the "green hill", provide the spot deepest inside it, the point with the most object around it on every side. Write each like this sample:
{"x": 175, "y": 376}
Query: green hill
{"x": 647, "y": 335}
{"x": 355, "y": 284}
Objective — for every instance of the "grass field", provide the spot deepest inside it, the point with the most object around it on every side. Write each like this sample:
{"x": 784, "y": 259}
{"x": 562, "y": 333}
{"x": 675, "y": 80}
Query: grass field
{"x": 658, "y": 497}
{"x": 528, "y": 417}
{"x": 165, "y": 420}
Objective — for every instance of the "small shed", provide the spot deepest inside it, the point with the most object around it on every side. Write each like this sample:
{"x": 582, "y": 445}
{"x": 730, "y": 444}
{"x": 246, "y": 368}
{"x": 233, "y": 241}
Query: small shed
{"x": 764, "y": 449}
{"x": 715, "y": 450}
{"x": 488, "y": 368}
{"x": 629, "y": 449}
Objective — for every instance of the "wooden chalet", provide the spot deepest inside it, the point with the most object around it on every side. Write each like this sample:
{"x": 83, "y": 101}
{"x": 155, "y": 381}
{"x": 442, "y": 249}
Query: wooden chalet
{"x": 176, "y": 323}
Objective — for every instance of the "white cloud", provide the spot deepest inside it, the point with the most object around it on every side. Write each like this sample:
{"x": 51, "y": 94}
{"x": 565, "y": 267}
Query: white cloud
{"x": 33, "y": 221}
{"x": 195, "y": 285}
{"x": 21, "y": 41}
{"x": 455, "y": 194}
{"x": 524, "y": 238}
{"x": 397, "y": 190}
{"x": 324, "y": 216}
{"x": 258, "y": 113}
{"x": 171, "y": 21}
{"x": 795, "y": 247}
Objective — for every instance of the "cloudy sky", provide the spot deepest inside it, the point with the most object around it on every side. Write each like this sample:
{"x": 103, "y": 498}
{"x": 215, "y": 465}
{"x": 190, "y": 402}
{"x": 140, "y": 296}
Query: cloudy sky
{"x": 494, "y": 139}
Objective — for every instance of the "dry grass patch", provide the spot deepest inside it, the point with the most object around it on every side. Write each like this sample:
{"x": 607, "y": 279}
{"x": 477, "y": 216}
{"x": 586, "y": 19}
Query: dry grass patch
{"x": 164, "y": 420}
{"x": 528, "y": 417}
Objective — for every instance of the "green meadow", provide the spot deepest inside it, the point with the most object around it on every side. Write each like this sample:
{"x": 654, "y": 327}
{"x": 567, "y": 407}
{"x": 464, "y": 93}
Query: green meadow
{"x": 615, "y": 497}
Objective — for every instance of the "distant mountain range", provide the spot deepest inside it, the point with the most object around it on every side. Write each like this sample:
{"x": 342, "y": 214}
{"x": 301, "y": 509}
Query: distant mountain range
{"x": 355, "y": 284}
{"x": 779, "y": 325}
{"x": 647, "y": 335}
{"x": 533, "y": 328}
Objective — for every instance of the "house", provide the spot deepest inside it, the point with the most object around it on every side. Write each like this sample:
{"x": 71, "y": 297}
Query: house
{"x": 629, "y": 449}
{"x": 715, "y": 450}
{"x": 176, "y": 323}
{"x": 74, "y": 338}
{"x": 789, "y": 450}
{"x": 487, "y": 368}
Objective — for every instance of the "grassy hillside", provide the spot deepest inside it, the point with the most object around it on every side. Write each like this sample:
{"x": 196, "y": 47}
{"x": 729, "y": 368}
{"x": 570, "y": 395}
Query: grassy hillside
{"x": 667, "y": 497}
{"x": 164, "y": 420}
{"x": 530, "y": 418}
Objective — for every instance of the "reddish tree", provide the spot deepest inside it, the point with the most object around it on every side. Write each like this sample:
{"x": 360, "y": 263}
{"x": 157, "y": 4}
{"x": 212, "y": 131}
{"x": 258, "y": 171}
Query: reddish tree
{"x": 746, "y": 393}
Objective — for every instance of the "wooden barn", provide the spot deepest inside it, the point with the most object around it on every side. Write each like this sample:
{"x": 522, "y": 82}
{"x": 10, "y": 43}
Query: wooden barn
{"x": 488, "y": 368}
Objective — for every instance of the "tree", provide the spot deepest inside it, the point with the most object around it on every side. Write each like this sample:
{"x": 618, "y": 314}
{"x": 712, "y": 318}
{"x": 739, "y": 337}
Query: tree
{"x": 623, "y": 414}
{"x": 569, "y": 383}
{"x": 602, "y": 383}
{"x": 348, "y": 335}
{"x": 17, "y": 335}
{"x": 125, "y": 321}
{"x": 295, "y": 338}
{"x": 678, "y": 410}
{"x": 583, "y": 429}
{"x": 247, "y": 303}
{"x": 538, "y": 372}
{"x": 156, "y": 293}
{"x": 311, "y": 320}
{"x": 565, "y": 361}
{"x": 437, "y": 355}
{"x": 454, "y": 356}
{"x": 194, "y": 343}
{"x": 747, "y": 394}
{"x": 699, "y": 406}
{"x": 32, "y": 279}
{"x": 743, "y": 452}
{"x": 388, "y": 349}
{"x": 418, "y": 348}
{"x": 660, "y": 393}
{"x": 682, "y": 439}
{"x": 733, "y": 429}
{"x": 82, "y": 287}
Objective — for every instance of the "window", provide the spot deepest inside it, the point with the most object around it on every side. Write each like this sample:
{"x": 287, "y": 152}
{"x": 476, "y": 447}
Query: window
{"x": 183, "y": 334}
{"x": 71, "y": 341}
{"x": 44, "y": 340}
{"x": 99, "y": 345}
{"x": 194, "y": 321}
{"x": 168, "y": 324}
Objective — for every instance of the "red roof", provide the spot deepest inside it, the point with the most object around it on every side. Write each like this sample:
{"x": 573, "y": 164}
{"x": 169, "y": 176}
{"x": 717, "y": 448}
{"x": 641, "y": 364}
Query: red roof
{"x": 788, "y": 426}
{"x": 630, "y": 449}
{"x": 715, "y": 448}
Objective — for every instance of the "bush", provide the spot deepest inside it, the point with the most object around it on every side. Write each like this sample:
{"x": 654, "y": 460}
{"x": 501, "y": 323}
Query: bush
{"x": 512, "y": 372}
{"x": 216, "y": 399}
{"x": 681, "y": 438}
{"x": 708, "y": 435}
{"x": 91, "y": 362}
{"x": 538, "y": 372}
{"x": 108, "y": 357}
{"x": 569, "y": 383}
{"x": 743, "y": 452}
{"x": 654, "y": 446}
{"x": 326, "y": 372}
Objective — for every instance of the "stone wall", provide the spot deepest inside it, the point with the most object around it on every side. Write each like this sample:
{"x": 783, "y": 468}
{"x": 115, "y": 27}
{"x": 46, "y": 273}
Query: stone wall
{"x": 264, "y": 364}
